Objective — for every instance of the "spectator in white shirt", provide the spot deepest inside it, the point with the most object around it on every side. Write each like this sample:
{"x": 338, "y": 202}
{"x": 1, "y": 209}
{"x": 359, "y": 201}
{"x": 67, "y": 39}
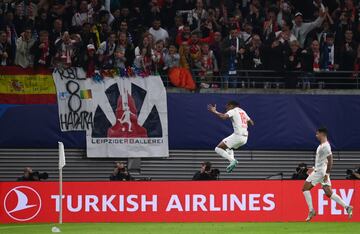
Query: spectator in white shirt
{"x": 285, "y": 33}
{"x": 82, "y": 16}
{"x": 23, "y": 56}
{"x": 158, "y": 32}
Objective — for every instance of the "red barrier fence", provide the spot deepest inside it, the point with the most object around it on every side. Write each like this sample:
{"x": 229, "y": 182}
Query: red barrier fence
{"x": 215, "y": 201}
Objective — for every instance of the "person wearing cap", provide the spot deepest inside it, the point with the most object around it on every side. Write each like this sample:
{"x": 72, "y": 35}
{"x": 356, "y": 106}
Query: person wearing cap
{"x": 301, "y": 29}
{"x": 89, "y": 63}
{"x": 90, "y": 47}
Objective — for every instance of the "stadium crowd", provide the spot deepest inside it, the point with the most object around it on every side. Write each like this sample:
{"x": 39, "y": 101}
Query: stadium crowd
{"x": 211, "y": 37}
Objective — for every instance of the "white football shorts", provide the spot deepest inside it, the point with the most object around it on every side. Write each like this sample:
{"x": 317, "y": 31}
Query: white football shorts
{"x": 235, "y": 141}
{"x": 317, "y": 177}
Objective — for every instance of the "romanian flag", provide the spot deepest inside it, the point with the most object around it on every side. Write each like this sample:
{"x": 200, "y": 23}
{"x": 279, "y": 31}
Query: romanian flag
{"x": 26, "y": 86}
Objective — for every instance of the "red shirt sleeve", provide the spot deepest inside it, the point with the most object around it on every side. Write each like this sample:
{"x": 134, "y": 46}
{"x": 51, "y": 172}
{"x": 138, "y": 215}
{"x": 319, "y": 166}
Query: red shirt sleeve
{"x": 209, "y": 39}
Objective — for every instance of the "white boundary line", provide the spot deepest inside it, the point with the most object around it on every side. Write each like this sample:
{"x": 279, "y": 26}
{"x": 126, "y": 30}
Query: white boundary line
{"x": 12, "y": 226}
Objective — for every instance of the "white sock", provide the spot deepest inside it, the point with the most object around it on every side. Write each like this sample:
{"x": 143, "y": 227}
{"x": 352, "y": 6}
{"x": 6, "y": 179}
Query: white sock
{"x": 224, "y": 154}
{"x": 338, "y": 199}
{"x": 230, "y": 151}
{"x": 308, "y": 200}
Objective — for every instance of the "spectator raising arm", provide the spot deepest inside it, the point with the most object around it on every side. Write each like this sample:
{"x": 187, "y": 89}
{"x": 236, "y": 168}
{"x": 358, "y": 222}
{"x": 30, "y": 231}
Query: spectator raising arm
{"x": 301, "y": 29}
{"x": 23, "y": 57}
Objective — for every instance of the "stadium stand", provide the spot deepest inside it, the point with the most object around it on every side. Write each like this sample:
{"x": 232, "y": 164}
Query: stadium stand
{"x": 212, "y": 40}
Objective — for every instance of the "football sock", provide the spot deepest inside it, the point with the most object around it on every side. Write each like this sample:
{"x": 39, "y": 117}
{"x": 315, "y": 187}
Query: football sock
{"x": 338, "y": 199}
{"x": 230, "y": 151}
{"x": 231, "y": 154}
{"x": 224, "y": 154}
{"x": 308, "y": 200}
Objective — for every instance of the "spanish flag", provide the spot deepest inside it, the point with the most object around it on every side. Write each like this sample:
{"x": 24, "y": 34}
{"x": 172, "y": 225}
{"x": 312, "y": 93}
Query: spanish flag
{"x": 26, "y": 86}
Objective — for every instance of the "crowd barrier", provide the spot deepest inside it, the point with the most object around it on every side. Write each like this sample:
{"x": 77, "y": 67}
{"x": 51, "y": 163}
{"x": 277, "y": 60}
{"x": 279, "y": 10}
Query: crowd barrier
{"x": 269, "y": 79}
{"x": 213, "y": 201}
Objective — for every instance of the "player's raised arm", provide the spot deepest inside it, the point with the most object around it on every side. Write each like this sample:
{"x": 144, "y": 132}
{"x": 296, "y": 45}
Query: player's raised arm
{"x": 212, "y": 108}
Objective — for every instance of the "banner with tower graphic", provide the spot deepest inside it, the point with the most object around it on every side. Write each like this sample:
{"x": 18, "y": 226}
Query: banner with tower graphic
{"x": 122, "y": 116}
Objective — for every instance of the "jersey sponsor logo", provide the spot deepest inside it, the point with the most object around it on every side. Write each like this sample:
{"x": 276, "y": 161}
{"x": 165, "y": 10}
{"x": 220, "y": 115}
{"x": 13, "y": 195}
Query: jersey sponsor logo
{"x": 243, "y": 119}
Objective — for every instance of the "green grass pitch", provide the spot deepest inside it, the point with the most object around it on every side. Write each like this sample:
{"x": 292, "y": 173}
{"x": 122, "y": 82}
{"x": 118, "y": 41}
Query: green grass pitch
{"x": 187, "y": 228}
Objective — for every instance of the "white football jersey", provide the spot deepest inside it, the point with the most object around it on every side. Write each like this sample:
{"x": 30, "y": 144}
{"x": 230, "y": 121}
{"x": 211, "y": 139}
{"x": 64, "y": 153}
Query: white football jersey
{"x": 322, "y": 152}
{"x": 239, "y": 120}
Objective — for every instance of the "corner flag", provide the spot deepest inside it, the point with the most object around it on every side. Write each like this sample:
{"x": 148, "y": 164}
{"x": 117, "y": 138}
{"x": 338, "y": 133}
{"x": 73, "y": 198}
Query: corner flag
{"x": 61, "y": 155}
{"x": 61, "y": 165}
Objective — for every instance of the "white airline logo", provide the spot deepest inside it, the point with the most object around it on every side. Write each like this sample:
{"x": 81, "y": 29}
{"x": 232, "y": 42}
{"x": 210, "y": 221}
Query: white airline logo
{"x": 18, "y": 206}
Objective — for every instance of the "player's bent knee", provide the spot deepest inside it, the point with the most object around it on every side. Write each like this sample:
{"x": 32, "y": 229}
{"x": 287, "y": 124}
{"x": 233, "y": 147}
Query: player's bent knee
{"x": 305, "y": 189}
{"x": 307, "y": 186}
{"x": 328, "y": 194}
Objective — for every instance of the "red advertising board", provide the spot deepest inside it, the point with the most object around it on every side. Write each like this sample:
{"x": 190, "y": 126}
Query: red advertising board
{"x": 213, "y": 201}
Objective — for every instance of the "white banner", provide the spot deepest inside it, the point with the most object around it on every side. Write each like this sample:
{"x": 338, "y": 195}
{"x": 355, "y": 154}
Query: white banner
{"x": 122, "y": 117}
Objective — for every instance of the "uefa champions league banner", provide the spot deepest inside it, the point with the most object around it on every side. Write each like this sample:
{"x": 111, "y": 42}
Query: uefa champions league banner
{"x": 175, "y": 201}
{"x": 122, "y": 117}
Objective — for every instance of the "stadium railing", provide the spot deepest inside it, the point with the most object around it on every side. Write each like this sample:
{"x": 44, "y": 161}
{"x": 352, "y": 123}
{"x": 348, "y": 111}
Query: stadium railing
{"x": 278, "y": 79}
{"x": 272, "y": 79}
